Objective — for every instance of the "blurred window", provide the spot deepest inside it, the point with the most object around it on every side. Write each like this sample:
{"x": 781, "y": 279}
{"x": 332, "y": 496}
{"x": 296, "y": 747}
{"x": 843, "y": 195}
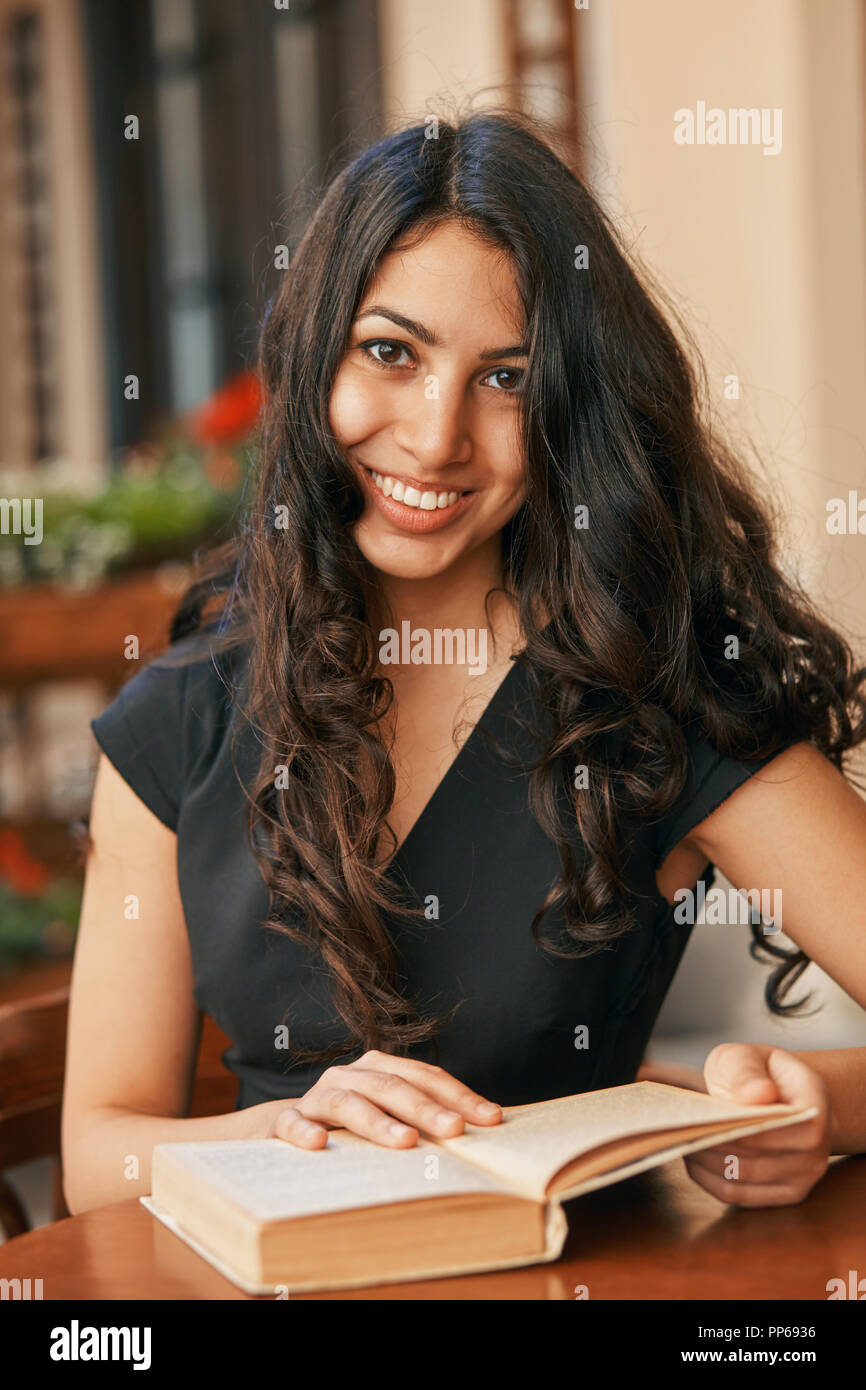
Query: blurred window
{"x": 30, "y": 359}
{"x": 240, "y": 109}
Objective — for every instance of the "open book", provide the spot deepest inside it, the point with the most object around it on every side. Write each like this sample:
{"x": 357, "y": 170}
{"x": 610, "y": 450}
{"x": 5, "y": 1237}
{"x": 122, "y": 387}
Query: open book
{"x": 271, "y": 1216}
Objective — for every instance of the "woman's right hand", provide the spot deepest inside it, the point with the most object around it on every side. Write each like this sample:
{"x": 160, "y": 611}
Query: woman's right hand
{"x": 383, "y": 1098}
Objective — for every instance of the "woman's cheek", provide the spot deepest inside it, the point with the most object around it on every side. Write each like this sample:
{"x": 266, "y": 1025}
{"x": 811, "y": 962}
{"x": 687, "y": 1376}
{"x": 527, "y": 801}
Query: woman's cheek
{"x": 513, "y": 475}
{"x": 353, "y": 411}
{"x": 508, "y": 447}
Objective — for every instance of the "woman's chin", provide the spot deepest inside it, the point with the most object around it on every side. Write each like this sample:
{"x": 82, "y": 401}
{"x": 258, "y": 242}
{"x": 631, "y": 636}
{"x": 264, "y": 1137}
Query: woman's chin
{"x": 406, "y": 557}
{"x": 406, "y": 566}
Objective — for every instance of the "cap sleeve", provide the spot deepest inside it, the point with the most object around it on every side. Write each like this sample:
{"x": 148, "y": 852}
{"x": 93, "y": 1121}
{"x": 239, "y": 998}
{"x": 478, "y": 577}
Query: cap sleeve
{"x": 142, "y": 732}
{"x": 711, "y": 779}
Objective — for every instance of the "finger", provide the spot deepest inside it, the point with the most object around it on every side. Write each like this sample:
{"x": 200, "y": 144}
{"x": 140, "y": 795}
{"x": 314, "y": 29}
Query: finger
{"x": 758, "y": 1074}
{"x": 400, "y": 1097}
{"x": 439, "y": 1083}
{"x": 750, "y": 1194}
{"x": 739, "y": 1072}
{"x": 786, "y": 1139}
{"x": 755, "y": 1168}
{"x": 355, "y": 1112}
{"x": 295, "y": 1128}
{"x": 798, "y": 1083}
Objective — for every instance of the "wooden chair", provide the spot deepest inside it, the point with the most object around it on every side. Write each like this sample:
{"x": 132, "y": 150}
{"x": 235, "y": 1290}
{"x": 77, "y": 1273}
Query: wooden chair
{"x": 32, "y": 1057}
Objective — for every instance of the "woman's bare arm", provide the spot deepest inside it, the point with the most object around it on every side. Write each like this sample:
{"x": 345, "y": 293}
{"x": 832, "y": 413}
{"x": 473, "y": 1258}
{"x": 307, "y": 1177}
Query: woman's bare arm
{"x": 133, "y": 1020}
{"x": 133, "y": 1032}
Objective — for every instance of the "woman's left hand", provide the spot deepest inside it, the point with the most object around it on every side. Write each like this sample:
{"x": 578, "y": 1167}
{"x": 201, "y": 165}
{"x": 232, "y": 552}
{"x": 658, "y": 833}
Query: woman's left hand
{"x": 777, "y": 1168}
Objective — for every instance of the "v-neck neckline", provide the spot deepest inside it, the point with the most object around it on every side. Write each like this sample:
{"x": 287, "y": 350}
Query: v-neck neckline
{"x": 453, "y": 767}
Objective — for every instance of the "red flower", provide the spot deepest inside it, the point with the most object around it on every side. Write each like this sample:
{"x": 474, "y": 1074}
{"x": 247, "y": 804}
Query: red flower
{"x": 230, "y": 414}
{"x": 22, "y": 872}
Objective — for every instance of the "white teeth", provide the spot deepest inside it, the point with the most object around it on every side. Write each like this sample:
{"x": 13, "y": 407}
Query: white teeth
{"x": 412, "y": 496}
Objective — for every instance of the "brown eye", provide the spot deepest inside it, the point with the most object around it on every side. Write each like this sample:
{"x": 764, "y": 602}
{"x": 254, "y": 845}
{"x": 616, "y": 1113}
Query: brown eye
{"x": 516, "y": 374}
{"x": 388, "y": 349}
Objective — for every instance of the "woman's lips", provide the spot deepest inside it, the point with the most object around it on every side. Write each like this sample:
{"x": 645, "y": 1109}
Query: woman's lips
{"x": 414, "y": 520}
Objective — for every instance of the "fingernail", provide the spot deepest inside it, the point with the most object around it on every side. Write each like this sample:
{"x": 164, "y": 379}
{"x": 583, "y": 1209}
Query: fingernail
{"x": 485, "y": 1107}
{"x": 447, "y": 1117}
{"x": 399, "y": 1130}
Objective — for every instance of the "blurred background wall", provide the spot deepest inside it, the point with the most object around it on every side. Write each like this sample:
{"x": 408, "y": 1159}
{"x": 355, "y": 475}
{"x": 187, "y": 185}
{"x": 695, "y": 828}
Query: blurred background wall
{"x": 154, "y": 157}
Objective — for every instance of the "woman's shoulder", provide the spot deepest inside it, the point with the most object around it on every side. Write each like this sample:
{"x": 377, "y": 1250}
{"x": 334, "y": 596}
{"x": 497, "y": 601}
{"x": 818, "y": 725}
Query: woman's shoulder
{"x": 711, "y": 777}
{"x": 169, "y": 720}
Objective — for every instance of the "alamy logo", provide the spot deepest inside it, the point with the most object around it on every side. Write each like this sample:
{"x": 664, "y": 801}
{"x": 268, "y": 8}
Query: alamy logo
{"x": 847, "y": 520}
{"x": 22, "y": 516}
{"x": 22, "y": 1289}
{"x": 733, "y": 908}
{"x": 75, "y": 1343}
{"x": 739, "y": 125}
{"x": 442, "y": 647}
{"x": 855, "y": 1287}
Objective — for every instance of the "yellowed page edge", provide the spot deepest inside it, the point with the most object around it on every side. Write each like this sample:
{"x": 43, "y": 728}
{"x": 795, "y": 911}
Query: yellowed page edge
{"x": 667, "y": 1155}
{"x": 555, "y": 1232}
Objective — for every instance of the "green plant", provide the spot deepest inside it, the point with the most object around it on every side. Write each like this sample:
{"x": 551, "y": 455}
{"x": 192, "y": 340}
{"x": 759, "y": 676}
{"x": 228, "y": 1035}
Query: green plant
{"x": 160, "y": 504}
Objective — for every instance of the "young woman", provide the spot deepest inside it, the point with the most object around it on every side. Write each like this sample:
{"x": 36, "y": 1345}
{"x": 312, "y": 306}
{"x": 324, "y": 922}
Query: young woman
{"x": 413, "y": 886}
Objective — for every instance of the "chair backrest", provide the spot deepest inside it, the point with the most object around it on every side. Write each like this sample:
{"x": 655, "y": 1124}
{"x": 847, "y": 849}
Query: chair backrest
{"x": 32, "y": 1059}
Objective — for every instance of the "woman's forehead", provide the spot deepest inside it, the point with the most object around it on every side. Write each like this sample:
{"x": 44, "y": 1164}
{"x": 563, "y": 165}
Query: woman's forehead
{"x": 452, "y": 278}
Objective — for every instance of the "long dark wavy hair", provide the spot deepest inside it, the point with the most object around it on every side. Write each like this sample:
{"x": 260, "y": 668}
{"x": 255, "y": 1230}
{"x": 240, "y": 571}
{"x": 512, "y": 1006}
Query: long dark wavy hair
{"x": 678, "y": 557}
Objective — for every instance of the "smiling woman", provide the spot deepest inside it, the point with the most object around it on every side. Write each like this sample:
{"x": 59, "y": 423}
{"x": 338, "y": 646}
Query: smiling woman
{"x": 454, "y": 468}
{"x": 458, "y": 884}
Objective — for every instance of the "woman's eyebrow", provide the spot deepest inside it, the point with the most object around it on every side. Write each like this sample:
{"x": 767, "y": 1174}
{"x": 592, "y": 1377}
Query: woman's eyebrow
{"x": 425, "y": 336}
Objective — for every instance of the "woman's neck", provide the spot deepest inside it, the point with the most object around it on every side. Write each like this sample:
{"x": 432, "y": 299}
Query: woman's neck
{"x": 454, "y": 599}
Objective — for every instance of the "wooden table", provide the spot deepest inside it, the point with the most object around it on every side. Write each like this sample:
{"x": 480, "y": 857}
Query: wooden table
{"x": 655, "y": 1236}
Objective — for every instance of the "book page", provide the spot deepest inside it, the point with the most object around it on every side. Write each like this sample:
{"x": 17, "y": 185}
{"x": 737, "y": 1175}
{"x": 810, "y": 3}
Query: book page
{"x": 272, "y": 1180}
{"x": 534, "y": 1141}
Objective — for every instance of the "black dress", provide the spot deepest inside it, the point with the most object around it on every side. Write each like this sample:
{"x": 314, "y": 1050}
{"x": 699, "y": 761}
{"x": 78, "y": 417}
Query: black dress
{"x": 530, "y": 1026}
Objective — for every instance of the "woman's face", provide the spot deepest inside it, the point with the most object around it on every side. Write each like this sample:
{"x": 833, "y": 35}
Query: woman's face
{"x": 425, "y": 404}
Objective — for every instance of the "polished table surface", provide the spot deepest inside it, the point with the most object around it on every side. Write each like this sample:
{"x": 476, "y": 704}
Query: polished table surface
{"x": 656, "y": 1236}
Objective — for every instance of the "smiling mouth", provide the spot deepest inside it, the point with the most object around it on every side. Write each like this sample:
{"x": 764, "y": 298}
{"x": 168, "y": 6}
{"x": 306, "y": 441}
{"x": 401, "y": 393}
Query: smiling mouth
{"x": 415, "y": 494}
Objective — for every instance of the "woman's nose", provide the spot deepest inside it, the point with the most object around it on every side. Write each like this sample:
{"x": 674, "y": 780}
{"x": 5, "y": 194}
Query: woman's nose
{"x": 434, "y": 429}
